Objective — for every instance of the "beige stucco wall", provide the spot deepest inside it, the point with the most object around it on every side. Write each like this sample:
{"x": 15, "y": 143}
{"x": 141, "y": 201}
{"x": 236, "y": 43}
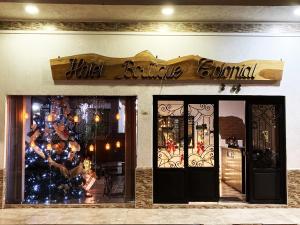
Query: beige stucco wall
{"x": 25, "y": 70}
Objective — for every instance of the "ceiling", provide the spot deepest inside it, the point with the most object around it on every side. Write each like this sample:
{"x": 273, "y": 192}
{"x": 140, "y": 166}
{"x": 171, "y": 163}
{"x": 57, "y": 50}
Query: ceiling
{"x": 106, "y": 13}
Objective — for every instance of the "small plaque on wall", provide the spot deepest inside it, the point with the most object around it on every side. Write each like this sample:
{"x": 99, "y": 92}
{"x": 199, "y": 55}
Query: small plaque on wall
{"x": 145, "y": 67}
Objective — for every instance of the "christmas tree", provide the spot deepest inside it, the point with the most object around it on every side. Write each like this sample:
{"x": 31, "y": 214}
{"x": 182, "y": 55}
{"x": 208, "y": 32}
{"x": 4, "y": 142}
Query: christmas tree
{"x": 53, "y": 168}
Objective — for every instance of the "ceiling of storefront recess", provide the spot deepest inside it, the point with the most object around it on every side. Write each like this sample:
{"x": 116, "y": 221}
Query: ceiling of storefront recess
{"x": 90, "y": 12}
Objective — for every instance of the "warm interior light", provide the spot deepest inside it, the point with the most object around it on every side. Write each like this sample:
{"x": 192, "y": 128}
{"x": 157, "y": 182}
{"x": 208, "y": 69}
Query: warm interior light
{"x": 167, "y": 11}
{"x": 32, "y": 144}
{"x": 76, "y": 119}
{"x": 25, "y": 115}
{"x": 49, "y": 118}
{"x": 297, "y": 11}
{"x": 31, "y": 9}
{"x": 118, "y": 116}
{"x": 118, "y": 144}
{"x": 97, "y": 118}
{"x": 91, "y": 148}
{"x": 49, "y": 147}
{"x": 107, "y": 146}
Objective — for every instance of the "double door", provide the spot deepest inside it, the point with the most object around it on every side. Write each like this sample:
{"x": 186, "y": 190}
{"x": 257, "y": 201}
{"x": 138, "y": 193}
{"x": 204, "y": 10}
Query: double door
{"x": 186, "y": 149}
{"x": 185, "y": 158}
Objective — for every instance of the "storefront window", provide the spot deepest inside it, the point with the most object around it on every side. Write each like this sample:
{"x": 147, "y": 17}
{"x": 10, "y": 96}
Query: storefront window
{"x": 70, "y": 149}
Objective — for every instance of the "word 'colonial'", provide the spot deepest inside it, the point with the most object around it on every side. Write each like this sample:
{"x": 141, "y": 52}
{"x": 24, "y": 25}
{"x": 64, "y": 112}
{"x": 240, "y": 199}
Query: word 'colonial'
{"x": 209, "y": 70}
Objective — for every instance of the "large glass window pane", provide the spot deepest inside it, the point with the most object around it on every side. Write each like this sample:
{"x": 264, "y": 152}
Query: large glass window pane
{"x": 71, "y": 149}
{"x": 265, "y": 136}
{"x": 201, "y": 135}
{"x": 170, "y": 125}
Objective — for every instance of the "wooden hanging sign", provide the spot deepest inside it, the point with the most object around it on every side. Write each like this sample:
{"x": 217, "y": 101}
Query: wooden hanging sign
{"x": 144, "y": 67}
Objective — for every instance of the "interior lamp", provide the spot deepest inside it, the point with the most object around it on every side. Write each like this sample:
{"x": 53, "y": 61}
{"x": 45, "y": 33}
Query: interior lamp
{"x": 118, "y": 116}
{"x": 107, "y": 146}
{"x": 97, "y": 118}
{"x": 118, "y": 144}
{"x": 76, "y": 119}
{"x": 91, "y": 148}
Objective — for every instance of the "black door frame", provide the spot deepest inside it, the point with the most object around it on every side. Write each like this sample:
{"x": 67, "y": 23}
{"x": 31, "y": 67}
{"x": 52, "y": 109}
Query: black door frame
{"x": 217, "y": 98}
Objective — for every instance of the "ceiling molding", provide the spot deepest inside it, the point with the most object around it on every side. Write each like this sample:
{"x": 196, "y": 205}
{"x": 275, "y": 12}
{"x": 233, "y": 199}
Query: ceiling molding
{"x": 163, "y": 2}
{"x": 197, "y": 27}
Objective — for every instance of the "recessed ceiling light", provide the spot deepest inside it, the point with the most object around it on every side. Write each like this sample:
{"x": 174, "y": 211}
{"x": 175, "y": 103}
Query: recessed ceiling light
{"x": 297, "y": 11}
{"x": 167, "y": 11}
{"x": 31, "y": 9}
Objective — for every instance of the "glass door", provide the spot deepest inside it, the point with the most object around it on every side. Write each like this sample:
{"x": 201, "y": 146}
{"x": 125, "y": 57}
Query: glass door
{"x": 266, "y": 150}
{"x": 202, "y": 158}
{"x": 185, "y": 157}
{"x": 169, "y": 144}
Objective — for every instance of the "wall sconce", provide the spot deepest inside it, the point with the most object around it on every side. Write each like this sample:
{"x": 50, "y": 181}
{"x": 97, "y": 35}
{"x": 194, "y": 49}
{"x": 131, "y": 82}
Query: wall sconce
{"x": 222, "y": 87}
{"x": 97, "y": 118}
{"x": 118, "y": 144}
{"x": 76, "y": 119}
{"x": 118, "y": 116}
{"x": 107, "y": 146}
{"x": 91, "y": 148}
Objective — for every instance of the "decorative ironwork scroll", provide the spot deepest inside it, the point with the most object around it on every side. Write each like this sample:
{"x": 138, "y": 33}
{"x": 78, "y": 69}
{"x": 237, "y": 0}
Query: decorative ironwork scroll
{"x": 201, "y": 153}
{"x": 170, "y": 134}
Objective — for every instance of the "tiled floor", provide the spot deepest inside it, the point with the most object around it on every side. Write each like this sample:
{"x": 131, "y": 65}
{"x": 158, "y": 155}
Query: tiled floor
{"x": 149, "y": 216}
{"x": 228, "y": 193}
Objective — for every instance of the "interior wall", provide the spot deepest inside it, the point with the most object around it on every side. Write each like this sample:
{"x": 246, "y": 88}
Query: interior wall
{"x": 232, "y": 110}
{"x": 25, "y": 70}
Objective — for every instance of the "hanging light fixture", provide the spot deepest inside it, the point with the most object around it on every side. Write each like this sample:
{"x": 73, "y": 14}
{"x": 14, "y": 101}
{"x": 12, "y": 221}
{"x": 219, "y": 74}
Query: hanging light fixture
{"x": 76, "y": 119}
{"x": 118, "y": 144}
{"x": 91, "y": 148}
{"x": 118, "y": 116}
{"x": 97, "y": 118}
{"x": 107, "y": 146}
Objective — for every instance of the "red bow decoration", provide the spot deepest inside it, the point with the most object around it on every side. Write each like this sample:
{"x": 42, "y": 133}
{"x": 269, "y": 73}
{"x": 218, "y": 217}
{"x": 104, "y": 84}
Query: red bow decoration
{"x": 171, "y": 146}
{"x": 200, "y": 147}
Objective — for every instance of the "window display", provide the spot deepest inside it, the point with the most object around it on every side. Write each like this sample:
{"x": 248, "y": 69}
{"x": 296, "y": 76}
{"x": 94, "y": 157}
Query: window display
{"x": 74, "y": 149}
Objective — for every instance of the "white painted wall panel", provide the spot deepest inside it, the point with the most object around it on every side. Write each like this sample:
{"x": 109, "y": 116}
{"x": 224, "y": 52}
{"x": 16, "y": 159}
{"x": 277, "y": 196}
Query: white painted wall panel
{"x": 25, "y": 70}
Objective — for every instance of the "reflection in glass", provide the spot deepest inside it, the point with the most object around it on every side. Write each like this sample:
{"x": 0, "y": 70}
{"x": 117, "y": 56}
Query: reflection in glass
{"x": 201, "y": 146}
{"x": 265, "y": 136}
{"x": 170, "y": 125}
